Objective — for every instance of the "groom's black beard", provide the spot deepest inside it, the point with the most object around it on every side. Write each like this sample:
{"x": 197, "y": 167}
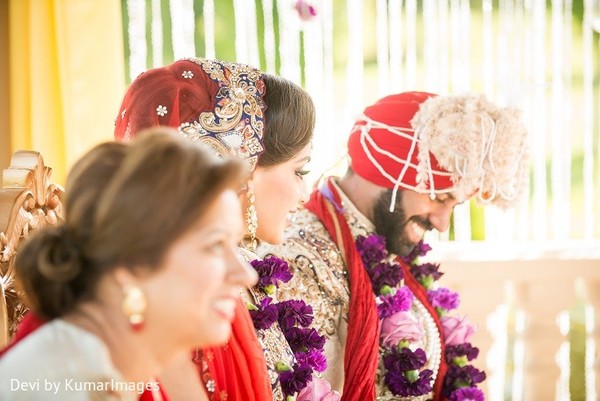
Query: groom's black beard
{"x": 392, "y": 225}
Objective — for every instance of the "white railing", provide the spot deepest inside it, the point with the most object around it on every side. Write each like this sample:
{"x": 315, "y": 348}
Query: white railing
{"x": 531, "y": 313}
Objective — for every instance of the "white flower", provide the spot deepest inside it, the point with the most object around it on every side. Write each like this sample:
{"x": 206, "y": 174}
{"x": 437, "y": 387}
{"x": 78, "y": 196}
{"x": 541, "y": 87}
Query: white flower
{"x": 161, "y": 110}
{"x": 187, "y": 74}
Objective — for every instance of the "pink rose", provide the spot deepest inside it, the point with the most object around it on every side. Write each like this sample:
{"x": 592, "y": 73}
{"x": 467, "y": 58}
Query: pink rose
{"x": 318, "y": 390}
{"x": 400, "y": 326}
{"x": 456, "y": 330}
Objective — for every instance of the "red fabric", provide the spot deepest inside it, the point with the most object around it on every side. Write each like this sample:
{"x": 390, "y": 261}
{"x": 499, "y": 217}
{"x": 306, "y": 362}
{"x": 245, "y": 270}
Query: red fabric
{"x": 361, "y": 355}
{"x": 239, "y": 368}
{"x": 421, "y": 294}
{"x": 30, "y": 323}
{"x": 397, "y": 111}
{"x": 148, "y": 396}
{"x": 184, "y": 99}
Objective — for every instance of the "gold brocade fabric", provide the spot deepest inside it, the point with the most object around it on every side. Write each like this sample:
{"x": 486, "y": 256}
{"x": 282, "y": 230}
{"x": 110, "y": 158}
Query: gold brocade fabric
{"x": 320, "y": 279}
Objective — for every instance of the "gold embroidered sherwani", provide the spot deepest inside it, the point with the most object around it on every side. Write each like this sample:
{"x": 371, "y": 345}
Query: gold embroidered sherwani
{"x": 320, "y": 279}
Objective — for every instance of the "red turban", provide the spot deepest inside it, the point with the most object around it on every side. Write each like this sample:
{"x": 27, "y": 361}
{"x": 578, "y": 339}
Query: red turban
{"x": 383, "y": 146}
{"x": 437, "y": 144}
{"x": 214, "y": 102}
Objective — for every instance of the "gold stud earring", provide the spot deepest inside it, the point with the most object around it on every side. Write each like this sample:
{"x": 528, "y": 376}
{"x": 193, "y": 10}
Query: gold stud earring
{"x": 251, "y": 219}
{"x": 134, "y": 306}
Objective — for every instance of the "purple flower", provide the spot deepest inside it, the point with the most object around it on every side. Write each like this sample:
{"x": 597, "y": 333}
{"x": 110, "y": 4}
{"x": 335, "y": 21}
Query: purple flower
{"x": 426, "y": 269}
{"x": 458, "y": 351}
{"x": 371, "y": 249}
{"x": 420, "y": 249}
{"x": 401, "y": 386}
{"x": 292, "y": 313}
{"x": 404, "y": 360}
{"x": 265, "y": 316}
{"x": 399, "y": 302}
{"x": 271, "y": 271}
{"x": 457, "y": 377}
{"x": 385, "y": 273}
{"x": 467, "y": 394}
{"x": 303, "y": 340}
{"x": 443, "y": 298}
{"x": 313, "y": 358}
{"x": 292, "y": 381}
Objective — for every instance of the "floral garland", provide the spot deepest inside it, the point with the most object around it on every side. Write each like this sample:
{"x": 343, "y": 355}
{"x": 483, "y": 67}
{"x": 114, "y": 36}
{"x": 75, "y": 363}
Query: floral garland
{"x": 294, "y": 318}
{"x": 402, "y": 359}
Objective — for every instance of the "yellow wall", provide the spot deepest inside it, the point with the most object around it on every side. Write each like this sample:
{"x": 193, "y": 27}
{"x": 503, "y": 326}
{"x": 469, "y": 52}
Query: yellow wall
{"x": 5, "y": 148}
{"x": 67, "y": 76}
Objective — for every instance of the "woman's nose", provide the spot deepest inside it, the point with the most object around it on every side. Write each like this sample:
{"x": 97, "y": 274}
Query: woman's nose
{"x": 304, "y": 193}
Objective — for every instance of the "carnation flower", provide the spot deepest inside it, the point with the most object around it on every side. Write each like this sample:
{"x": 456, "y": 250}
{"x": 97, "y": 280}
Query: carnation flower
{"x": 295, "y": 379}
{"x": 399, "y": 302}
{"x": 467, "y": 394}
{"x": 384, "y": 273}
{"x": 420, "y": 249}
{"x": 292, "y": 313}
{"x": 303, "y": 340}
{"x": 314, "y": 358}
{"x": 265, "y": 316}
{"x": 457, "y": 377}
{"x": 461, "y": 350}
{"x": 271, "y": 271}
{"x": 426, "y": 273}
{"x": 404, "y": 360}
{"x": 371, "y": 249}
{"x": 444, "y": 299}
{"x": 400, "y": 385}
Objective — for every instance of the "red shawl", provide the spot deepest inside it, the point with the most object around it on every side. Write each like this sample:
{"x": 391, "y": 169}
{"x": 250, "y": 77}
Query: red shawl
{"x": 239, "y": 368}
{"x": 361, "y": 355}
{"x": 30, "y": 323}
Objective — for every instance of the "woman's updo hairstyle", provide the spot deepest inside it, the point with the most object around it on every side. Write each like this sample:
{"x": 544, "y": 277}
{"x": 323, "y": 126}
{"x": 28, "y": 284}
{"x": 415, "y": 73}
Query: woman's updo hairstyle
{"x": 289, "y": 120}
{"x": 125, "y": 205}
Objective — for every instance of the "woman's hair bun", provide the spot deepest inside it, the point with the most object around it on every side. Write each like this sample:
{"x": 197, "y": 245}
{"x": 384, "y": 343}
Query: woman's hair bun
{"x": 59, "y": 257}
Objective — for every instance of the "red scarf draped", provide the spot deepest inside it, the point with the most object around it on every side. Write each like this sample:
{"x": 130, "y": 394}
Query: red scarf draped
{"x": 361, "y": 355}
{"x": 30, "y": 323}
{"x": 239, "y": 368}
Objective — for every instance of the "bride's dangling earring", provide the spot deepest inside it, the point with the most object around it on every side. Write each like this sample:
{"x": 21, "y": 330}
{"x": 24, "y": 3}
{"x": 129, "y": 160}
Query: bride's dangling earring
{"x": 251, "y": 220}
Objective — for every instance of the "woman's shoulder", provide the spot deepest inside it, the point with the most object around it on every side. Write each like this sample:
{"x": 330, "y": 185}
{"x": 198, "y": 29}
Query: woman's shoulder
{"x": 58, "y": 358}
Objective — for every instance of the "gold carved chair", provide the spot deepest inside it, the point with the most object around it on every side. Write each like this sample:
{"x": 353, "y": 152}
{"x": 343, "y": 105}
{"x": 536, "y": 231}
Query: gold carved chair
{"x": 28, "y": 201}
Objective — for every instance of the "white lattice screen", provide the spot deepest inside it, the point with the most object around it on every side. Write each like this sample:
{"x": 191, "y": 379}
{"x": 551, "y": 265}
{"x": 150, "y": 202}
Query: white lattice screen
{"x": 541, "y": 56}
